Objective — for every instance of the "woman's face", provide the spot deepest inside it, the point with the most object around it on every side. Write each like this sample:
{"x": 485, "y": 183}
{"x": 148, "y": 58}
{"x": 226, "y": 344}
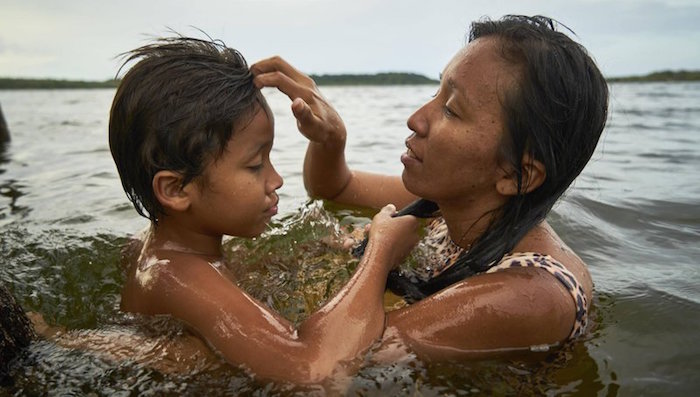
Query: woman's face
{"x": 454, "y": 151}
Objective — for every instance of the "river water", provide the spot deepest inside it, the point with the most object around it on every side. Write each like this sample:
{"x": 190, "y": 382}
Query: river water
{"x": 633, "y": 216}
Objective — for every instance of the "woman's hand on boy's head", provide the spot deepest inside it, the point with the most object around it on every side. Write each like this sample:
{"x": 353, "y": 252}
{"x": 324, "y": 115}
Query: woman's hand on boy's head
{"x": 398, "y": 234}
{"x": 316, "y": 118}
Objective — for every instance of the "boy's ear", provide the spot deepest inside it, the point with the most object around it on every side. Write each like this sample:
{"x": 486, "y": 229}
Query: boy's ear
{"x": 167, "y": 187}
{"x": 534, "y": 174}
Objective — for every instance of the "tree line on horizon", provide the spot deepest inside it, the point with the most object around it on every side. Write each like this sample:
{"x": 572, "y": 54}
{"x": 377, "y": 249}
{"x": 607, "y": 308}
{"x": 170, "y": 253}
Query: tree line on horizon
{"x": 390, "y": 78}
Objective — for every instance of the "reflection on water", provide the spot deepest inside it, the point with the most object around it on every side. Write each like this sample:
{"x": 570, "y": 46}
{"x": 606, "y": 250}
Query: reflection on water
{"x": 633, "y": 215}
{"x": 294, "y": 273}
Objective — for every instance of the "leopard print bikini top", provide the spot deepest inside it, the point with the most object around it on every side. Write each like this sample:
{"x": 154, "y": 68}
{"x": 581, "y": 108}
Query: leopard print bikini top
{"x": 444, "y": 253}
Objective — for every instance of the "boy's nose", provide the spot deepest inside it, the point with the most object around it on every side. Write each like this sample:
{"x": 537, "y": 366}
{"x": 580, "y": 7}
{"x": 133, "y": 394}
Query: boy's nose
{"x": 276, "y": 180}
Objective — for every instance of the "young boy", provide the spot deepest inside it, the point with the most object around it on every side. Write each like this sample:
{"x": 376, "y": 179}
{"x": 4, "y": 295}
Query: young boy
{"x": 191, "y": 138}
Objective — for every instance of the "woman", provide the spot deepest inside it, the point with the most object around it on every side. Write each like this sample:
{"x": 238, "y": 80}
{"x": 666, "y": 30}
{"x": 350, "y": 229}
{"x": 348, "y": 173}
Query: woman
{"x": 517, "y": 116}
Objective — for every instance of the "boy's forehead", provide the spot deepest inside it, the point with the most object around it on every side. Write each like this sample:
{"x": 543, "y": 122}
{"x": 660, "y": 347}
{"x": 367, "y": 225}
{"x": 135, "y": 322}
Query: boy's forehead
{"x": 254, "y": 113}
{"x": 258, "y": 127}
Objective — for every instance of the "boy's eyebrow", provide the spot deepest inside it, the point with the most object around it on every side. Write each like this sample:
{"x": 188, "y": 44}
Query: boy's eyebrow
{"x": 267, "y": 143}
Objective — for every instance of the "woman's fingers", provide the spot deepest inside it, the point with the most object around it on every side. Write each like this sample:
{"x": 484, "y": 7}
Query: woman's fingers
{"x": 307, "y": 122}
{"x": 316, "y": 118}
{"x": 283, "y": 83}
{"x": 276, "y": 72}
{"x": 277, "y": 64}
{"x": 302, "y": 111}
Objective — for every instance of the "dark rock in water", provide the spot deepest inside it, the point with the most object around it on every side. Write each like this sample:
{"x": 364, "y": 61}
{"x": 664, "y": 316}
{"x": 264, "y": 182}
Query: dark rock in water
{"x": 16, "y": 330}
{"x": 4, "y": 131}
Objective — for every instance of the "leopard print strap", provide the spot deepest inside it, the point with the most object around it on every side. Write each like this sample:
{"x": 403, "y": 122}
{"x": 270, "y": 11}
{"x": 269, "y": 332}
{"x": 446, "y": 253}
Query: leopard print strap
{"x": 443, "y": 253}
{"x": 562, "y": 274}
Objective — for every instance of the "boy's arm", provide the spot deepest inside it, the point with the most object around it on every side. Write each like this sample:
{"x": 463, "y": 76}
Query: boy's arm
{"x": 326, "y": 173}
{"x": 248, "y": 333}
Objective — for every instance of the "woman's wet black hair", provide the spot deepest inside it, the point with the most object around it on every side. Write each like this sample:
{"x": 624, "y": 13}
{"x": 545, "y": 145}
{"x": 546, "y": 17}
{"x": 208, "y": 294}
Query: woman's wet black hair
{"x": 176, "y": 109}
{"x": 556, "y": 112}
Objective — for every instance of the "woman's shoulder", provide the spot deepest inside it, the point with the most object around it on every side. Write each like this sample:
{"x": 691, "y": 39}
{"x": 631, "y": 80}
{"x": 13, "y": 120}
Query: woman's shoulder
{"x": 488, "y": 312}
{"x": 544, "y": 241}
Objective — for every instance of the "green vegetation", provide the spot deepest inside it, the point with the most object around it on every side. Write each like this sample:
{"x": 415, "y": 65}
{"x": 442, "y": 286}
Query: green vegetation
{"x": 372, "y": 79}
{"x": 19, "y": 84}
{"x": 665, "y": 75}
{"x": 336, "y": 79}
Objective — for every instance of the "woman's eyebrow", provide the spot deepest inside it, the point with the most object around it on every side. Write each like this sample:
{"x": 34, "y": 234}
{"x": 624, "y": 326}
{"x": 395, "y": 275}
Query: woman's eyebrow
{"x": 457, "y": 90}
{"x": 451, "y": 83}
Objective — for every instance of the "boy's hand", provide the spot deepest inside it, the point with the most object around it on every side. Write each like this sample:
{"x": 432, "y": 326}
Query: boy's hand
{"x": 398, "y": 235}
{"x": 316, "y": 118}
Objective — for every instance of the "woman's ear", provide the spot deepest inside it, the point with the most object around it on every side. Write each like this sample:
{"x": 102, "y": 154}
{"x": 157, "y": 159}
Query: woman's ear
{"x": 167, "y": 187}
{"x": 534, "y": 174}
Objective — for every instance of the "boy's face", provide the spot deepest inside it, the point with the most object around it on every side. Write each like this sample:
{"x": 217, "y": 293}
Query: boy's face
{"x": 238, "y": 196}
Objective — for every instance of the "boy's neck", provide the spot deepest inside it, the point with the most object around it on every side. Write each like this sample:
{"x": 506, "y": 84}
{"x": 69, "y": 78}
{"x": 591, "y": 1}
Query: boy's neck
{"x": 171, "y": 236}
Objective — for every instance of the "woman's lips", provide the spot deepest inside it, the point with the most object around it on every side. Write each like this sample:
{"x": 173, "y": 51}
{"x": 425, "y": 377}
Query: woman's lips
{"x": 410, "y": 153}
{"x": 410, "y": 156}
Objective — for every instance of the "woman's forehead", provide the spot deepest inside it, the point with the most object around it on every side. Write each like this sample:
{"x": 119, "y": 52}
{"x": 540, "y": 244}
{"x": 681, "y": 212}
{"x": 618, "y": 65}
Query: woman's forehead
{"x": 480, "y": 67}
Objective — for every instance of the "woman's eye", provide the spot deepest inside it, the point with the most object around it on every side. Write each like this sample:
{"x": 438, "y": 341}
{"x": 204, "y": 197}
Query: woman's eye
{"x": 448, "y": 112}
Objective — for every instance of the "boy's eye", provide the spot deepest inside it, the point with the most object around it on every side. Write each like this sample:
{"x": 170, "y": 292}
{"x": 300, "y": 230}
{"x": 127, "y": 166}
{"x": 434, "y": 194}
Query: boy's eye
{"x": 256, "y": 168}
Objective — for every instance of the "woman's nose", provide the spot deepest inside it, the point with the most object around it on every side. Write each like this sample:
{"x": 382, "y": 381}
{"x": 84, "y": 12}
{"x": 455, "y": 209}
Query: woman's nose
{"x": 418, "y": 123}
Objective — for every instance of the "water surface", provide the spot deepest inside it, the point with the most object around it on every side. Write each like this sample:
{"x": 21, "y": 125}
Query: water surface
{"x": 633, "y": 216}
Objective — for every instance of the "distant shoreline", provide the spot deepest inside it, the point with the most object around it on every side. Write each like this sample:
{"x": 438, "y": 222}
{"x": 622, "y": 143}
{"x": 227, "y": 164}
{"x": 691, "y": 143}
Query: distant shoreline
{"x": 661, "y": 76}
{"x": 51, "y": 84}
{"x": 380, "y": 79}
{"x": 392, "y": 78}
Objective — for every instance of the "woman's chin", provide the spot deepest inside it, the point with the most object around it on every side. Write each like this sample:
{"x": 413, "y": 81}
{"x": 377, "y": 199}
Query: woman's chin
{"x": 413, "y": 185}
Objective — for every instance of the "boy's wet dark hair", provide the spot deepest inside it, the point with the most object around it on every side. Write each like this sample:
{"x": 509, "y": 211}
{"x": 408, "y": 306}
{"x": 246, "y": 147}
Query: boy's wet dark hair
{"x": 556, "y": 113}
{"x": 176, "y": 109}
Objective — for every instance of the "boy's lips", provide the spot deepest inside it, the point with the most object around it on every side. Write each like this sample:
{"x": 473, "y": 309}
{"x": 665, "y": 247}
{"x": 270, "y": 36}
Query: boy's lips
{"x": 272, "y": 210}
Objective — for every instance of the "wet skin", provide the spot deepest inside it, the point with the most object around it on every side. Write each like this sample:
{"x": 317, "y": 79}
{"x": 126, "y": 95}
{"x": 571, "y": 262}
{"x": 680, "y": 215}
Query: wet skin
{"x": 180, "y": 271}
{"x": 459, "y": 131}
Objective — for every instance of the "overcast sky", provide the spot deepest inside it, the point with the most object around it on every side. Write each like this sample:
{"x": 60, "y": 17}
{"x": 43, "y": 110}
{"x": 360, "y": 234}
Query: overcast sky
{"x": 79, "y": 39}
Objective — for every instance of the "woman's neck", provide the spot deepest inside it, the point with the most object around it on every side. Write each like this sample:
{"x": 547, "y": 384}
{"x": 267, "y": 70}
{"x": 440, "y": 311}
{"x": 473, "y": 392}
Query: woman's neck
{"x": 466, "y": 221}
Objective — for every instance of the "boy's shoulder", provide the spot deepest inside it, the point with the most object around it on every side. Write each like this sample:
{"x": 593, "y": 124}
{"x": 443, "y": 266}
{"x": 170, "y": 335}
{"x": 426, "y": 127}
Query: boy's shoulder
{"x": 185, "y": 268}
{"x": 155, "y": 275}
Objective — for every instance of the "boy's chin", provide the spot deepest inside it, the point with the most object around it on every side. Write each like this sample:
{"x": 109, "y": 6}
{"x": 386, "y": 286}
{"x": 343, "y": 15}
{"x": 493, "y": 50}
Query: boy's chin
{"x": 255, "y": 233}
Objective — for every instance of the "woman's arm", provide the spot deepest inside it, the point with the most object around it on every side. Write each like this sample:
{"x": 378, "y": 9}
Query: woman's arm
{"x": 326, "y": 173}
{"x": 246, "y": 332}
{"x": 486, "y": 314}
